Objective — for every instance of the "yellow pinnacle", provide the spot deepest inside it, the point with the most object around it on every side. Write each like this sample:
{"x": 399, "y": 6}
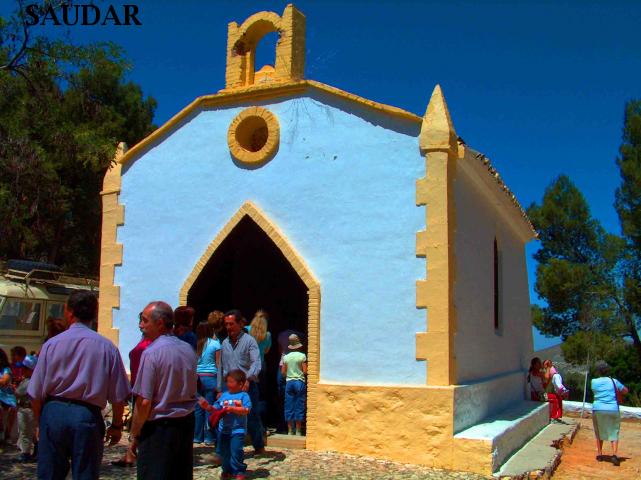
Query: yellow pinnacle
{"x": 437, "y": 131}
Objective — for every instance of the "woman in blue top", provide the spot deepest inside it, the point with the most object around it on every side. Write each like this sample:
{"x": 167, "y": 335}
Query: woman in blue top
{"x": 7, "y": 397}
{"x": 605, "y": 411}
{"x": 208, "y": 353}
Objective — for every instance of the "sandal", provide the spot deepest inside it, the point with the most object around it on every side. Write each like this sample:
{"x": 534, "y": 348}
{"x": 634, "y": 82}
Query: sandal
{"x": 615, "y": 461}
{"x": 123, "y": 463}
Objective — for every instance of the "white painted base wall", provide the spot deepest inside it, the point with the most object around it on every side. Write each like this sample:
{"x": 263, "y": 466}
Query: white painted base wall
{"x": 476, "y": 401}
{"x": 632, "y": 413}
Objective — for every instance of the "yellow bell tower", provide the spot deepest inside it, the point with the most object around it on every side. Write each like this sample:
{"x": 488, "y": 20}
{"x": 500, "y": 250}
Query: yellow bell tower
{"x": 241, "y": 49}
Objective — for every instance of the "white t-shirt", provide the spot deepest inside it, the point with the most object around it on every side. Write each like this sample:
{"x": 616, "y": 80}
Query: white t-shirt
{"x": 557, "y": 382}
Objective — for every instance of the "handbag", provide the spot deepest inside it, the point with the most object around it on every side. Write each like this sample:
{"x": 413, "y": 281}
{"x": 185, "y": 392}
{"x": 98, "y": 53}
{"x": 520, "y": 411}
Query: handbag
{"x": 542, "y": 396}
{"x": 617, "y": 394}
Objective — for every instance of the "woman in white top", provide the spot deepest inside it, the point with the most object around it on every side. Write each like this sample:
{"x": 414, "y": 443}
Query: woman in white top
{"x": 556, "y": 391}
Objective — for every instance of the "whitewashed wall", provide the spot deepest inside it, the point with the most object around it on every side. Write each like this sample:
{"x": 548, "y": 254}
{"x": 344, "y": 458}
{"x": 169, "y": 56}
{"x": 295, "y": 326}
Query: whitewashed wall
{"x": 341, "y": 188}
{"x": 482, "y": 352}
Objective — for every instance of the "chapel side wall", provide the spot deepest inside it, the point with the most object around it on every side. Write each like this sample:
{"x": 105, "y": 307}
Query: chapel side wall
{"x": 482, "y": 352}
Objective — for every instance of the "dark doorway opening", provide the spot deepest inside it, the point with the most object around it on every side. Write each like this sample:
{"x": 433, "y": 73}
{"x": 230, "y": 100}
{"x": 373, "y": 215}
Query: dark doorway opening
{"x": 249, "y": 272}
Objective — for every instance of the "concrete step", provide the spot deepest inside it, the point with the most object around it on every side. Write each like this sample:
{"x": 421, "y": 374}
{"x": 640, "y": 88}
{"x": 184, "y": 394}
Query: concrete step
{"x": 541, "y": 455}
{"x": 278, "y": 440}
{"x": 499, "y": 436}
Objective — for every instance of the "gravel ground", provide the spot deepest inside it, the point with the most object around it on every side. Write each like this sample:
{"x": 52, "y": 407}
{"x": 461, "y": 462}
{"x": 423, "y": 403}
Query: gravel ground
{"x": 276, "y": 464}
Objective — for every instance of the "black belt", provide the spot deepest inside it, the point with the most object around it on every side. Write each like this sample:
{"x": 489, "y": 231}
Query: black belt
{"x": 88, "y": 405}
{"x": 170, "y": 420}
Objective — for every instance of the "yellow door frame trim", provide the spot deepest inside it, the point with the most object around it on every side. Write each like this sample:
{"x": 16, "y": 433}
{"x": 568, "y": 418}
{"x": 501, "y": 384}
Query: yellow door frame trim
{"x": 250, "y": 210}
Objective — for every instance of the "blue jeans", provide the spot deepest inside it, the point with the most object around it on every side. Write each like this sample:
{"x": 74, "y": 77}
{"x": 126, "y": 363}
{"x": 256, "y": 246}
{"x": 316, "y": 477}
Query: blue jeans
{"x": 295, "y": 393}
{"x": 281, "y": 383}
{"x": 231, "y": 449}
{"x": 69, "y": 431}
{"x": 202, "y": 431}
{"x": 254, "y": 423}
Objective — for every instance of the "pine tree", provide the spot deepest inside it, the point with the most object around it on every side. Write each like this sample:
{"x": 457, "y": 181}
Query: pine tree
{"x": 628, "y": 206}
{"x": 577, "y": 265}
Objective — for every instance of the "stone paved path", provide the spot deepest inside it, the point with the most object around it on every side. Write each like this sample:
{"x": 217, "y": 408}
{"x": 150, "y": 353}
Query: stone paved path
{"x": 278, "y": 464}
{"x": 579, "y": 460}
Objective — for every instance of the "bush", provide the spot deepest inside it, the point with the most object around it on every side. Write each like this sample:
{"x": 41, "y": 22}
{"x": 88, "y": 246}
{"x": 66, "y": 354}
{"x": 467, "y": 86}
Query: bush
{"x": 576, "y": 347}
{"x": 619, "y": 354}
{"x": 575, "y": 382}
{"x": 626, "y": 368}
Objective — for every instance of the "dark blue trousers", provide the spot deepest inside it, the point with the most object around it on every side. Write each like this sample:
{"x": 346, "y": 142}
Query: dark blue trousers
{"x": 231, "y": 449}
{"x": 70, "y": 432}
{"x": 165, "y": 449}
{"x": 254, "y": 422}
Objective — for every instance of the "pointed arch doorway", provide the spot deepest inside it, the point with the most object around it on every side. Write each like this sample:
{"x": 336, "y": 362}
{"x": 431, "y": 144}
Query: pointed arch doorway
{"x": 250, "y": 265}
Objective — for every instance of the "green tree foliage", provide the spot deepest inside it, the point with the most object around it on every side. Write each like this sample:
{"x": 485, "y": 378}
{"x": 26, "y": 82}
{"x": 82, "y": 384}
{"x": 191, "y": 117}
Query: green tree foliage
{"x": 626, "y": 367}
{"x": 591, "y": 279}
{"x": 63, "y": 110}
{"x": 628, "y": 205}
{"x": 617, "y": 352}
{"x": 599, "y": 345}
{"x": 578, "y": 265}
{"x": 628, "y": 196}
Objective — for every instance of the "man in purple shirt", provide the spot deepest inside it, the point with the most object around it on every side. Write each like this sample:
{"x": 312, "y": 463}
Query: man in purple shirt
{"x": 162, "y": 430}
{"x": 77, "y": 373}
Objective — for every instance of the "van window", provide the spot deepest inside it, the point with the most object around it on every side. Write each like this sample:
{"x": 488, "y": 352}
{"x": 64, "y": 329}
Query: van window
{"x": 20, "y": 315}
{"x": 55, "y": 311}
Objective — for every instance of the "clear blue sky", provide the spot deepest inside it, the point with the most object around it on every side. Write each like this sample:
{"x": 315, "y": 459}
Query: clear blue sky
{"x": 538, "y": 87}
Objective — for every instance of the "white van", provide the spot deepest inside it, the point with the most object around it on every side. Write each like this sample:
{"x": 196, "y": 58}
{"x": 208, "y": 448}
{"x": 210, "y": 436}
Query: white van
{"x": 32, "y": 298}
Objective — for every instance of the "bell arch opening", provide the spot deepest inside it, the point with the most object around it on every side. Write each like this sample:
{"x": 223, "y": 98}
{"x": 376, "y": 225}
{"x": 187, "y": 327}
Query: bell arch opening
{"x": 250, "y": 266}
{"x": 265, "y": 51}
{"x": 259, "y": 42}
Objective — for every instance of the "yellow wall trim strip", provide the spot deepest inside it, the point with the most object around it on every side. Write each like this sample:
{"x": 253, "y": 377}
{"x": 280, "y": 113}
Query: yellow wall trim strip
{"x": 256, "y": 93}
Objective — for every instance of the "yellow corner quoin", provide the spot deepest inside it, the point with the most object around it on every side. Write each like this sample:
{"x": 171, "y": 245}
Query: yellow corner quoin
{"x": 113, "y": 215}
{"x": 435, "y": 294}
{"x": 253, "y": 136}
{"x": 250, "y": 210}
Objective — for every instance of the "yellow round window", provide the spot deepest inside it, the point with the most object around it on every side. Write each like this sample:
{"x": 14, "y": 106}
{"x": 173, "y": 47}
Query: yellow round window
{"x": 254, "y": 135}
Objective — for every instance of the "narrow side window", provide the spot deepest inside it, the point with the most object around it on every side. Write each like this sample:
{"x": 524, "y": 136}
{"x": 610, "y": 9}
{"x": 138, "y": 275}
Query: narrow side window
{"x": 497, "y": 286}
